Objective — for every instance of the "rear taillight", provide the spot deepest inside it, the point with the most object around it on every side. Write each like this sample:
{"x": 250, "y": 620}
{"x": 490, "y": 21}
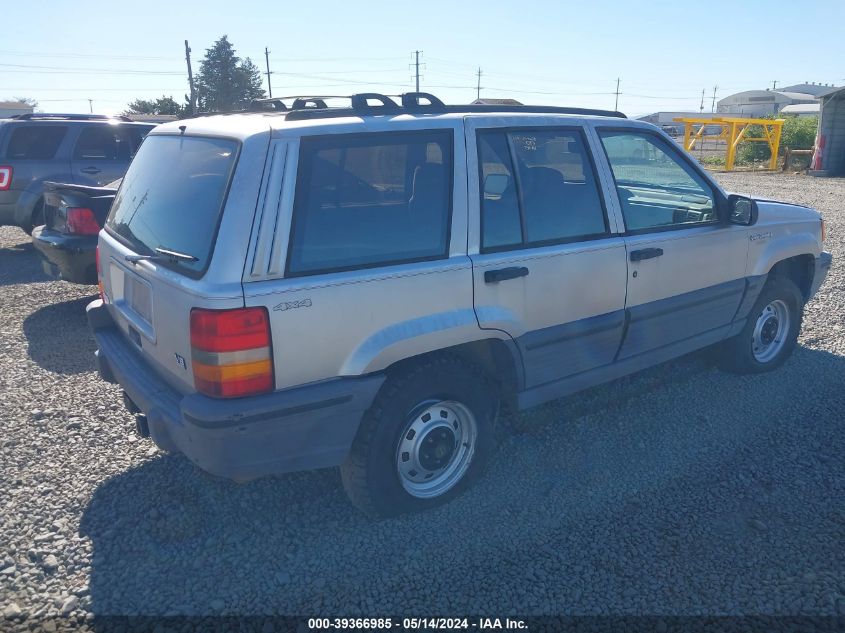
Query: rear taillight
{"x": 99, "y": 274}
{"x": 231, "y": 353}
{"x": 5, "y": 178}
{"x": 81, "y": 221}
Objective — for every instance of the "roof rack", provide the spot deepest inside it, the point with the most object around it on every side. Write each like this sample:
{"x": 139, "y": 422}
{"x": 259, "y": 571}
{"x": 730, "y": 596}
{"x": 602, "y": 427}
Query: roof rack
{"x": 69, "y": 117}
{"x": 411, "y": 103}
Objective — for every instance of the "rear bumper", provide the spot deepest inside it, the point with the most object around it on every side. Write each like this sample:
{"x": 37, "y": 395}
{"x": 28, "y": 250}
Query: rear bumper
{"x": 822, "y": 267}
{"x": 68, "y": 257}
{"x": 295, "y": 429}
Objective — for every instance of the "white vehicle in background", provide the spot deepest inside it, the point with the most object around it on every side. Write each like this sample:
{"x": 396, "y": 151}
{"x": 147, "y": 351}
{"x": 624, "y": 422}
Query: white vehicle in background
{"x": 367, "y": 286}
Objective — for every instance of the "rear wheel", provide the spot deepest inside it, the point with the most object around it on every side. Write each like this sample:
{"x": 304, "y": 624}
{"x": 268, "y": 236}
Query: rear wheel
{"x": 36, "y": 219}
{"x": 426, "y": 437}
{"x": 771, "y": 332}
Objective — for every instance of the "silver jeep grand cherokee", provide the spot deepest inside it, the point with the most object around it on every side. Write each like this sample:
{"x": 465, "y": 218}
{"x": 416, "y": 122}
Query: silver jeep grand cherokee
{"x": 367, "y": 286}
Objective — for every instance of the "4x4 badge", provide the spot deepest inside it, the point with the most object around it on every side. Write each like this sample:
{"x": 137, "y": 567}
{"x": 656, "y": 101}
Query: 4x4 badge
{"x": 290, "y": 305}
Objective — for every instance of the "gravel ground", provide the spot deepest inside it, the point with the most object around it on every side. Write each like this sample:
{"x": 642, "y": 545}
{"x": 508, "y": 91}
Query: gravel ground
{"x": 681, "y": 490}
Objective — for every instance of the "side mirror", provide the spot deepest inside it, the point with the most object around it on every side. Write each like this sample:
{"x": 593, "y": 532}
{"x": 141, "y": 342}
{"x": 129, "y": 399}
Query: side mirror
{"x": 495, "y": 184}
{"x": 742, "y": 210}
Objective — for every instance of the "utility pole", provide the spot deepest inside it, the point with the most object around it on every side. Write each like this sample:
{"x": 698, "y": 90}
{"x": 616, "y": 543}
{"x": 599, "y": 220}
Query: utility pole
{"x": 91, "y": 105}
{"x": 267, "y": 59}
{"x": 713, "y": 103}
{"x": 616, "y": 105}
{"x": 701, "y": 107}
{"x": 193, "y": 97}
{"x": 478, "y": 85}
{"x": 775, "y": 84}
{"x": 417, "y": 64}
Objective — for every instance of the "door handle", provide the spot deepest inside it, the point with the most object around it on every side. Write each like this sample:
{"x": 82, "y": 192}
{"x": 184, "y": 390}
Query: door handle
{"x": 645, "y": 253}
{"x": 90, "y": 170}
{"x": 501, "y": 274}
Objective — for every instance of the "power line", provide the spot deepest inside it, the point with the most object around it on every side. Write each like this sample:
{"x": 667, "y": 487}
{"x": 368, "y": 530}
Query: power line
{"x": 77, "y": 70}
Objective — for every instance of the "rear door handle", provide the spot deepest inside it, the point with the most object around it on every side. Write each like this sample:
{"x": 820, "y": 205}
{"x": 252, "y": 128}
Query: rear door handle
{"x": 646, "y": 253}
{"x": 90, "y": 170}
{"x": 502, "y": 274}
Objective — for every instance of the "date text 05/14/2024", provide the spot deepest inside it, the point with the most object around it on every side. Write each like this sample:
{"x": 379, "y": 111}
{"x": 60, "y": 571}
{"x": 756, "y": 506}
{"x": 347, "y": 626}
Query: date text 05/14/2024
{"x": 410, "y": 624}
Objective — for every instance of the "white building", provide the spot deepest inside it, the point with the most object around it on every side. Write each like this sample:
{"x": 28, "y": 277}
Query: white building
{"x": 13, "y": 108}
{"x": 801, "y": 109}
{"x": 760, "y": 103}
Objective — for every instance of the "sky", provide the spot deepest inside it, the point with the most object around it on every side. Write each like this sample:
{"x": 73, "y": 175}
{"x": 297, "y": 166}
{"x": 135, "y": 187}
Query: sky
{"x": 539, "y": 52}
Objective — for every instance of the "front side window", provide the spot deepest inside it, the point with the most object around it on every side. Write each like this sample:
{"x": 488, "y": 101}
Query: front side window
{"x": 538, "y": 186}
{"x": 365, "y": 200}
{"x": 657, "y": 188}
{"x": 103, "y": 142}
{"x": 36, "y": 142}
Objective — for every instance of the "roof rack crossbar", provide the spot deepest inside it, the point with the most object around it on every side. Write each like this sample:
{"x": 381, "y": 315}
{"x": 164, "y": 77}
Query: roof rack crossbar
{"x": 267, "y": 105}
{"x": 414, "y": 101}
{"x": 308, "y": 103}
{"x": 361, "y": 101}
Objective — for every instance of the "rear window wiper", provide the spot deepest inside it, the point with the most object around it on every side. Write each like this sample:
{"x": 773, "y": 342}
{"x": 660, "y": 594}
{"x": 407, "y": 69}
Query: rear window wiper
{"x": 162, "y": 255}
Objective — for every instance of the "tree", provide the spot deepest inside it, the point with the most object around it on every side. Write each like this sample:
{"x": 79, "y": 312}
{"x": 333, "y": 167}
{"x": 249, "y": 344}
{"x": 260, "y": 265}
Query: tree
{"x": 225, "y": 81}
{"x": 798, "y": 133}
{"x": 28, "y": 101}
{"x": 163, "y": 105}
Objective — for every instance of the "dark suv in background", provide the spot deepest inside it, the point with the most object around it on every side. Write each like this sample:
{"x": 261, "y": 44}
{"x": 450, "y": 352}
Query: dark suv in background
{"x": 77, "y": 149}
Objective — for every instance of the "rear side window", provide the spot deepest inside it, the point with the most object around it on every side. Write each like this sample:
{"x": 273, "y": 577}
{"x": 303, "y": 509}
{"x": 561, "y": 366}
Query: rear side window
{"x": 365, "y": 200}
{"x": 35, "y": 142}
{"x": 103, "y": 142}
{"x": 172, "y": 196}
{"x": 538, "y": 186}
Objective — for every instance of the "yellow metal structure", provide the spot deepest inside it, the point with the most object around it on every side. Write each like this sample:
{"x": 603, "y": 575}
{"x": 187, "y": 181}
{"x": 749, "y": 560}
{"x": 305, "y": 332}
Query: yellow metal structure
{"x": 733, "y": 132}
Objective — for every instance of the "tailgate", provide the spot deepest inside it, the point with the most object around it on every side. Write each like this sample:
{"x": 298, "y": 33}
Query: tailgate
{"x": 170, "y": 201}
{"x": 151, "y": 305}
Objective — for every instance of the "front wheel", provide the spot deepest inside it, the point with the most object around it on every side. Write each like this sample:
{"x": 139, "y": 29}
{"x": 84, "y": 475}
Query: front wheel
{"x": 771, "y": 332}
{"x": 426, "y": 437}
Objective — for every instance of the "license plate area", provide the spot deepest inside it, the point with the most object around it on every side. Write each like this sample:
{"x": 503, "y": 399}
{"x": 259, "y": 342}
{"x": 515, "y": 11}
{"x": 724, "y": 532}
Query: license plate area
{"x": 133, "y": 296}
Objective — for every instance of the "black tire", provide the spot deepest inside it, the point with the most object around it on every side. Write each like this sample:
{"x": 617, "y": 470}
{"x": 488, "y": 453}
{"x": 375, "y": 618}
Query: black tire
{"x": 370, "y": 474}
{"x": 36, "y": 219}
{"x": 736, "y": 355}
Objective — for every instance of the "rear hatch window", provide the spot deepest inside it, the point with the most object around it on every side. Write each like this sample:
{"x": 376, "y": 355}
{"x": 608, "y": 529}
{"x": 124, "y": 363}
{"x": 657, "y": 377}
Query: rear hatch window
{"x": 172, "y": 196}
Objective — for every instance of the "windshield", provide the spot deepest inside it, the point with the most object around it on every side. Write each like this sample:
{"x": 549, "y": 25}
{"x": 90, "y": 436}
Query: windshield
{"x": 172, "y": 196}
